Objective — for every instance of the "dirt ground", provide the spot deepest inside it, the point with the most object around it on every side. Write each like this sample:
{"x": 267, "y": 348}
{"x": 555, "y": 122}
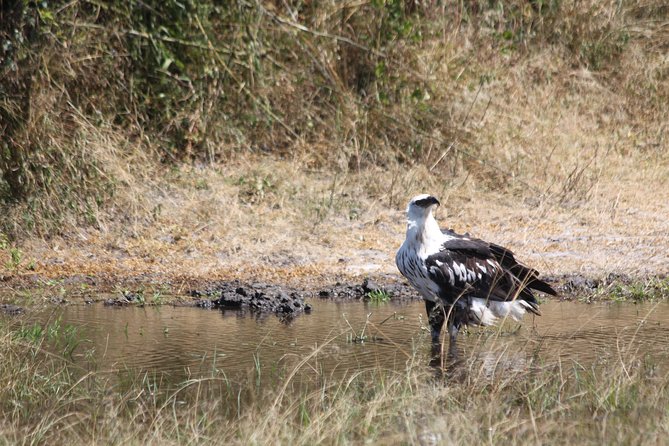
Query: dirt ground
{"x": 565, "y": 164}
{"x": 201, "y": 238}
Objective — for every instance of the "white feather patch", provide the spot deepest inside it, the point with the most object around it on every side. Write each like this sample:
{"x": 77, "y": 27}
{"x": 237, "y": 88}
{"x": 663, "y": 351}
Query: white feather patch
{"x": 451, "y": 277}
{"x": 515, "y": 310}
{"x": 488, "y": 312}
{"x": 463, "y": 272}
{"x": 481, "y": 312}
{"x": 456, "y": 269}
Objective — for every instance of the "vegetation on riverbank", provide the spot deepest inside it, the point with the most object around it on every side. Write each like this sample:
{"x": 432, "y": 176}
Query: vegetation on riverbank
{"x": 46, "y": 399}
{"x": 170, "y": 142}
{"x": 101, "y": 103}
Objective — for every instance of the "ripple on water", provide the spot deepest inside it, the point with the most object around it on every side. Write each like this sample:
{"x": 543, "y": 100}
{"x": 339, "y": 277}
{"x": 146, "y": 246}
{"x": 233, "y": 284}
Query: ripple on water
{"x": 191, "y": 341}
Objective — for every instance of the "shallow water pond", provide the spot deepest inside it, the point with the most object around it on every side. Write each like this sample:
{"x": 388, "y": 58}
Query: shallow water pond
{"x": 188, "y": 342}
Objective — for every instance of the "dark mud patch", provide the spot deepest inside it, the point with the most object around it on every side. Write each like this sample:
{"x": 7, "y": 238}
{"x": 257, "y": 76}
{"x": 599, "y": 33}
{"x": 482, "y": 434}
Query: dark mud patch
{"x": 396, "y": 291}
{"x": 263, "y": 297}
{"x": 260, "y": 297}
{"x": 10, "y": 309}
{"x": 256, "y": 297}
{"x": 615, "y": 287}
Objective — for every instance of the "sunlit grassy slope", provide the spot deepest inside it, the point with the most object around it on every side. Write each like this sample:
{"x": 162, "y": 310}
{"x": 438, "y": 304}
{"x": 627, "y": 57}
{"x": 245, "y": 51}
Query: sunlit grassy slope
{"x": 283, "y": 139}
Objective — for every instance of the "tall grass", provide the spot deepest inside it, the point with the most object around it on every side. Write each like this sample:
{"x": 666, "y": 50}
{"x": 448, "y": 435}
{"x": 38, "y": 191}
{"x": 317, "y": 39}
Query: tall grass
{"x": 486, "y": 398}
{"x": 95, "y": 96}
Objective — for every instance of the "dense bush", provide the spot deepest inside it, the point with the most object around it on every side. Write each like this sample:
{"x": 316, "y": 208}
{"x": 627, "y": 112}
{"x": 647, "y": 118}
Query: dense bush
{"x": 332, "y": 83}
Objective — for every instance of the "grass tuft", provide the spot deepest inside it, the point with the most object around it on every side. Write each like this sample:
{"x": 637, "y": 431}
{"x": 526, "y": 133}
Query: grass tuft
{"x": 378, "y": 296}
{"x": 48, "y": 399}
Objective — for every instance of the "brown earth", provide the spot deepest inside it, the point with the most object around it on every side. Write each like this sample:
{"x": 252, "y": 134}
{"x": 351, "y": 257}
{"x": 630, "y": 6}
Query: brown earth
{"x": 288, "y": 236}
{"x": 555, "y": 163}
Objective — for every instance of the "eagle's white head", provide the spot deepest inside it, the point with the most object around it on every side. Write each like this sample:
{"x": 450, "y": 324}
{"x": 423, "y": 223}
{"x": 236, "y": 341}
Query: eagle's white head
{"x": 421, "y": 226}
{"x": 420, "y": 207}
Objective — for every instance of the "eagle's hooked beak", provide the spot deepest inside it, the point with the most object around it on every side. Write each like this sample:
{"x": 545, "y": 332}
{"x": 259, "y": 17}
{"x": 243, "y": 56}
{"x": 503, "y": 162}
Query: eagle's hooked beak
{"x": 427, "y": 202}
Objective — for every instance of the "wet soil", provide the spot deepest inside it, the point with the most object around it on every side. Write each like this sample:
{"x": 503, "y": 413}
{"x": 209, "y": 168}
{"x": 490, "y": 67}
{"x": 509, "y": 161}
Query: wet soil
{"x": 256, "y": 297}
{"x": 260, "y": 297}
{"x": 11, "y": 309}
{"x": 285, "y": 300}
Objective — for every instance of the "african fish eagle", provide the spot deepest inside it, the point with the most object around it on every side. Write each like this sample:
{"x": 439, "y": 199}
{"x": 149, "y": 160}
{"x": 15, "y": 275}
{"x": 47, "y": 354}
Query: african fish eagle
{"x": 465, "y": 279}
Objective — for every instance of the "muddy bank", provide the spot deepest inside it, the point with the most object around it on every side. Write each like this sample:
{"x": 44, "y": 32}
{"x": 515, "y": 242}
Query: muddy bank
{"x": 263, "y": 297}
{"x": 256, "y": 297}
{"x": 282, "y": 300}
{"x": 615, "y": 287}
{"x": 288, "y": 300}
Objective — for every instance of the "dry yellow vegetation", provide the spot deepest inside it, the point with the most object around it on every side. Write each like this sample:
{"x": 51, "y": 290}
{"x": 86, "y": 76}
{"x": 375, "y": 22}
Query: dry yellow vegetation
{"x": 540, "y": 127}
{"x": 169, "y": 142}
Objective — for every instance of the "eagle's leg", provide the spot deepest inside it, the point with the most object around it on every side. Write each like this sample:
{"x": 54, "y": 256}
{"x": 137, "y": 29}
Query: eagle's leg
{"x": 453, "y": 330}
{"x": 435, "y": 316}
{"x": 458, "y": 317}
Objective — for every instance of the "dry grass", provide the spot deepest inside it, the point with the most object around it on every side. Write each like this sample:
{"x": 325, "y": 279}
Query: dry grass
{"x": 262, "y": 220}
{"x": 211, "y": 225}
{"x": 490, "y": 397}
{"x": 543, "y": 130}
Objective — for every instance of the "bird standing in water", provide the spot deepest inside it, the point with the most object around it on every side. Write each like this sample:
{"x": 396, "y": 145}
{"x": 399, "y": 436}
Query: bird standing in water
{"x": 463, "y": 280}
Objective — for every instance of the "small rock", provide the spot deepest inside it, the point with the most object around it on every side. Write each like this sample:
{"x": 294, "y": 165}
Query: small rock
{"x": 229, "y": 300}
{"x": 204, "y": 303}
{"x": 369, "y": 286}
{"x": 131, "y": 296}
{"x": 11, "y": 309}
{"x": 578, "y": 284}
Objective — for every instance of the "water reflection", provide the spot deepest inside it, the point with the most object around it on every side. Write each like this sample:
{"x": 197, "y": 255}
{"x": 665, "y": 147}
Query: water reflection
{"x": 182, "y": 341}
{"x": 341, "y": 337}
{"x": 567, "y": 335}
